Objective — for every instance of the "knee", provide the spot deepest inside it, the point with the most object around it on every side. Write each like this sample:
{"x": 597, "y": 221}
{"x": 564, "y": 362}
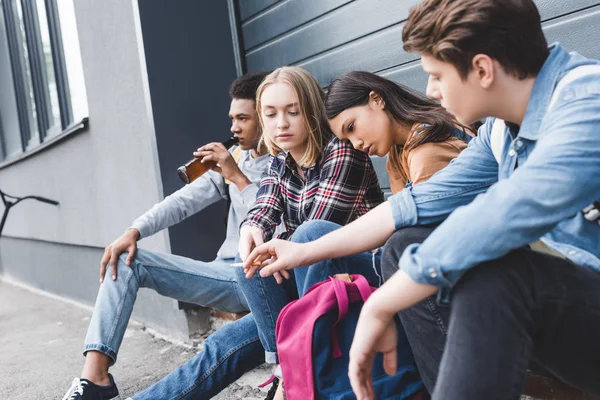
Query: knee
{"x": 122, "y": 267}
{"x": 504, "y": 280}
{"x": 141, "y": 257}
{"x": 312, "y": 230}
{"x": 396, "y": 244}
{"x": 136, "y": 268}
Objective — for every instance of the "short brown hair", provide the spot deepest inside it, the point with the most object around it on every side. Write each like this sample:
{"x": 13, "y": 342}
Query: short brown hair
{"x": 454, "y": 31}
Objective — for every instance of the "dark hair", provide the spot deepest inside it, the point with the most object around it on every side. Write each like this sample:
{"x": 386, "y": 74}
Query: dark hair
{"x": 454, "y": 31}
{"x": 246, "y": 85}
{"x": 404, "y": 105}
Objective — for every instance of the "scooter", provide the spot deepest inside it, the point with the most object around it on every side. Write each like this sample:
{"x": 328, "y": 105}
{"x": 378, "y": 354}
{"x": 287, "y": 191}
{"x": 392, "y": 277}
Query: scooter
{"x": 10, "y": 201}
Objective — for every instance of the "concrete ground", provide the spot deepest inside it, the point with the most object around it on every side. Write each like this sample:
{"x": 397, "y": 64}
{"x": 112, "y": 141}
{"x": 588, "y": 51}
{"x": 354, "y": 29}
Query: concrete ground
{"x": 40, "y": 351}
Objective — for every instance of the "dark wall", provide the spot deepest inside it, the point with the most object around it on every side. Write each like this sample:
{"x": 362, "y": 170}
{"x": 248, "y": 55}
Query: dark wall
{"x": 329, "y": 37}
{"x": 190, "y": 63}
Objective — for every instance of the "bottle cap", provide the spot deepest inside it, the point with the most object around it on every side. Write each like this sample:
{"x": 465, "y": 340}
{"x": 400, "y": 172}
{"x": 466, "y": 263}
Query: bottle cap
{"x": 182, "y": 172}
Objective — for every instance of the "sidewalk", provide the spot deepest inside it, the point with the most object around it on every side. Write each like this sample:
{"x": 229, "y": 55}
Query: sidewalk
{"x": 40, "y": 345}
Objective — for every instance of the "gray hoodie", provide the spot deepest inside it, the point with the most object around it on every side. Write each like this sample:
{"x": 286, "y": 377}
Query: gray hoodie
{"x": 201, "y": 193}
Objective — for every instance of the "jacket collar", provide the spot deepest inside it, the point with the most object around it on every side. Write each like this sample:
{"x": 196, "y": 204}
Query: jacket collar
{"x": 542, "y": 91}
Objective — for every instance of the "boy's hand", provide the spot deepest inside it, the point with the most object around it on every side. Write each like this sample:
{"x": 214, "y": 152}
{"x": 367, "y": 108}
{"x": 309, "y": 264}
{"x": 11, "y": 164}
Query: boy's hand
{"x": 375, "y": 333}
{"x": 227, "y": 167}
{"x": 250, "y": 237}
{"x": 126, "y": 242}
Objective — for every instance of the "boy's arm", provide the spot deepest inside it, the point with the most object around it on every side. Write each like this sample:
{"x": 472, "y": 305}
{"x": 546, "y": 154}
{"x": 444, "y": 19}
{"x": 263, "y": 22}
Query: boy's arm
{"x": 467, "y": 176}
{"x": 558, "y": 180}
{"x": 190, "y": 199}
{"x": 248, "y": 194}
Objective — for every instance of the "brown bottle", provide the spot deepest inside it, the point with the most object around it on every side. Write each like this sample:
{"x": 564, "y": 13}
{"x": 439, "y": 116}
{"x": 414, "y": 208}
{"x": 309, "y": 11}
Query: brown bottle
{"x": 194, "y": 168}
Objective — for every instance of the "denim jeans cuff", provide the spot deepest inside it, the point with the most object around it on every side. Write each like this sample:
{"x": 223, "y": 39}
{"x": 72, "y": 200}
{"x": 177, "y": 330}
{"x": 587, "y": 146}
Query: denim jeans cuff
{"x": 102, "y": 349}
{"x": 271, "y": 357}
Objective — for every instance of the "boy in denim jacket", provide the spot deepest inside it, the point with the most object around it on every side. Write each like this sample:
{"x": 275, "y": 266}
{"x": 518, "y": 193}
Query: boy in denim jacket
{"x": 515, "y": 258}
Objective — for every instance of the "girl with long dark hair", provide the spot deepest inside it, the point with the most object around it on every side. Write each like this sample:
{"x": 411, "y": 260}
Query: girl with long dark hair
{"x": 379, "y": 117}
{"x": 382, "y": 117}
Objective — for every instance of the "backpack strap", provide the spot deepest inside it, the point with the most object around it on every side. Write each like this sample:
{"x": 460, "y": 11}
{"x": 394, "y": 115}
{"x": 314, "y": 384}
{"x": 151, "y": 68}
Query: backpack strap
{"x": 363, "y": 287}
{"x": 341, "y": 295}
{"x": 497, "y": 139}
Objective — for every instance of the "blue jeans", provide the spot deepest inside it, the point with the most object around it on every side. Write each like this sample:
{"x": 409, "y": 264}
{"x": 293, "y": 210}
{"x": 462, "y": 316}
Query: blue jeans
{"x": 266, "y": 298}
{"x": 228, "y": 353}
{"x": 209, "y": 284}
{"x": 523, "y": 310}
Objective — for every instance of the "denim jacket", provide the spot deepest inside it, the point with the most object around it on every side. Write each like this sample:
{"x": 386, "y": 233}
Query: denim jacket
{"x": 490, "y": 208}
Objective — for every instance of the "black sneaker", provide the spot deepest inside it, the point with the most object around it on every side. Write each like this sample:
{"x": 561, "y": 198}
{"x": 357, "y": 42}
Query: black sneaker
{"x": 273, "y": 390}
{"x": 82, "y": 389}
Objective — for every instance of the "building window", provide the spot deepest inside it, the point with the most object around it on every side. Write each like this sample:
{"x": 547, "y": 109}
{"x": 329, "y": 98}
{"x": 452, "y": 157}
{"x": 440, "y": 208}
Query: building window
{"x": 47, "y": 74}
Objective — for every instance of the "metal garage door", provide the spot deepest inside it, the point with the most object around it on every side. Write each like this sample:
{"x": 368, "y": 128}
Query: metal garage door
{"x": 329, "y": 37}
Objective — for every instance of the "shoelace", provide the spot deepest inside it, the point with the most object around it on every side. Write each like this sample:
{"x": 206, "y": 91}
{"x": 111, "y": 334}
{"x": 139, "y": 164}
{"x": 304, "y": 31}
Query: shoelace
{"x": 76, "y": 389}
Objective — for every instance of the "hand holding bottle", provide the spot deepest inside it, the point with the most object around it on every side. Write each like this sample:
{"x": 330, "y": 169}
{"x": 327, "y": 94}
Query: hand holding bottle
{"x": 216, "y": 153}
{"x": 194, "y": 168}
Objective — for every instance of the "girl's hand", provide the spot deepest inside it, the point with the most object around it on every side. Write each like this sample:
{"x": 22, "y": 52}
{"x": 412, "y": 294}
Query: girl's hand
{"x": 250, "y": 237}
{"x": 281, "y": 255}
{"x": 375, "y": 333}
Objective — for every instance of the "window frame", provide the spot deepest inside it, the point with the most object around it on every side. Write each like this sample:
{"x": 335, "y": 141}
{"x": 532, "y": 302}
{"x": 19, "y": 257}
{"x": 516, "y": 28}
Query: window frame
{"x": 39, "y": 78}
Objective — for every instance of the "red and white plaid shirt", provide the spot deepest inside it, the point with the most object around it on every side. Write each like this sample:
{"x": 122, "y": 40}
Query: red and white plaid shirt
{"x": 340, "y": 187}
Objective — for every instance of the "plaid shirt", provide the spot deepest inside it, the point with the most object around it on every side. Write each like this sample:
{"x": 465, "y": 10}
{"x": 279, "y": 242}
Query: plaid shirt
{"x": 340, "y": 187}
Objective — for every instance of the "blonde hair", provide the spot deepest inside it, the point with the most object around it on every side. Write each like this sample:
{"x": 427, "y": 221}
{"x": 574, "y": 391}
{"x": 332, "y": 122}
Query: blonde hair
{"x": 311, "y": 103}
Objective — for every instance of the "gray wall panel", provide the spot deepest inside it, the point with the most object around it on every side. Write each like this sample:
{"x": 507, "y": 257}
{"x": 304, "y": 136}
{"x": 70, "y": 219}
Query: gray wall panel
{"x": 367, "y": 35}
{"x": 577, "y": 32}
{"x": 345, "y": 24}
{"x": 72, "y": 272}
{"x": 555, "y": 8}
{"x": 374, "y": 52}
{"x": 190, "y": 64}
{"x": 411, "y": 75}
{"x": 277, "y": 20}
{"x": 103, "y": 178}
{"x": 249, "y": 8}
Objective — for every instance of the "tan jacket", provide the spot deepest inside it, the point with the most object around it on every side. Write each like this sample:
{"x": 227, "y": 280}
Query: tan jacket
{"x": 419, "y": 164}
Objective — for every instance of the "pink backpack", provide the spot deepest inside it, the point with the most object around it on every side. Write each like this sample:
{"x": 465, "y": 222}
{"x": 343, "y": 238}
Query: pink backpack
{"x": 314, "y": 334}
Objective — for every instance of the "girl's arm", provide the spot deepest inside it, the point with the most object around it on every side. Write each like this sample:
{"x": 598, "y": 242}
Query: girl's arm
{"x": 268, "y": 208}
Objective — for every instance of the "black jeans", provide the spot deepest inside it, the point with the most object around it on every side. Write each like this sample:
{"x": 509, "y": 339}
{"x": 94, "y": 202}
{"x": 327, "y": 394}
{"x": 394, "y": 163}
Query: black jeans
{"x": 526, "y": 309}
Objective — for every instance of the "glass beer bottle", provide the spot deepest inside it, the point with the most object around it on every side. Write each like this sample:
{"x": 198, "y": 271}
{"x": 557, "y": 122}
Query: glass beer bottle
{"x": 194, "y": 168}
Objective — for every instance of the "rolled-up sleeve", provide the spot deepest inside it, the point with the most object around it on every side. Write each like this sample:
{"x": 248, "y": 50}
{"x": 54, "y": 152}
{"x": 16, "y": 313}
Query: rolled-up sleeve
{"x": 559, "y": 178}
{"x": 473, "y": 172}
{"x": 468, "y": 175}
